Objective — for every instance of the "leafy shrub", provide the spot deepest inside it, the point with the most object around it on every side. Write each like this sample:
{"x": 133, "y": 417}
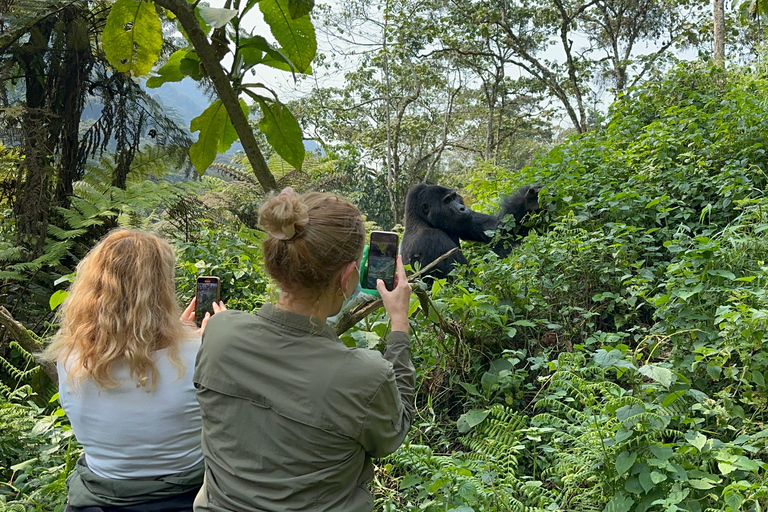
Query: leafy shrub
{"x": 232, "y": 255}
{"x": 635, "y": 317}
{"x": 37, "y": 453}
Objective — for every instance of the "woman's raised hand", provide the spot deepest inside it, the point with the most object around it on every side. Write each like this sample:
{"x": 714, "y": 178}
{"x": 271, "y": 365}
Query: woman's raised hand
{"x": 398, "y": 300}
{"x": 189, "y": 314}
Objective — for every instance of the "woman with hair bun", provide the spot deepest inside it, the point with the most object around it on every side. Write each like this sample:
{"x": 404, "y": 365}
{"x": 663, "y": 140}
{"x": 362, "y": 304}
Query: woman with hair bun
{"x": 125, "y": 355}
{"x": 291, "y": 416}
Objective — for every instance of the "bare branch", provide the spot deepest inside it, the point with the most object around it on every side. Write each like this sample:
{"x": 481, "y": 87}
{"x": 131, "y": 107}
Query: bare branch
{"x": 349, "y": 318}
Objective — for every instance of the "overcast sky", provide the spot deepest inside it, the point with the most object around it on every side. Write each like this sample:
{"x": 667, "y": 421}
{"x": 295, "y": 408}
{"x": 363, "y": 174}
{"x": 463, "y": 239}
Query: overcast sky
{"x": 281, "y": 81}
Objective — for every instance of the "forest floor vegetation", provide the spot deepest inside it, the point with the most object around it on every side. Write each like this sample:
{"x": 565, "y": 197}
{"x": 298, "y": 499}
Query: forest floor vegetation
{"x": 613, "y": 362}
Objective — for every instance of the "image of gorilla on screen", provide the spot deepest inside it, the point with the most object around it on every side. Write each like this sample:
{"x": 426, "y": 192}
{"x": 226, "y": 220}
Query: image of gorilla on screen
{"x": 207, "y": 293}
{"x": 381, "y": 259}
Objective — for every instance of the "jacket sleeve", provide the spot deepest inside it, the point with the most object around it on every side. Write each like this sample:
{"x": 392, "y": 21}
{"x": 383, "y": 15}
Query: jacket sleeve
{"x": 390, "y": 411}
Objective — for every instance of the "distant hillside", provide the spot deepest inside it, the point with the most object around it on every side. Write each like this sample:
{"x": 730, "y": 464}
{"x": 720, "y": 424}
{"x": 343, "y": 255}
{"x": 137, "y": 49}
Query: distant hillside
{"x": 184, "y": 102}
{"x": 184, "y": 97}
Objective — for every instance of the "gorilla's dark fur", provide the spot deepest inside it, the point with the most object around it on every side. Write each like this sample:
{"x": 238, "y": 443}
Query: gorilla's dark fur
{"x": 436, "y": 219}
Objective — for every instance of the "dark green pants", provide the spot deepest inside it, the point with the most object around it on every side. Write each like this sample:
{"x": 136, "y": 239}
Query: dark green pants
{"x": 88, "y": 492}
{"x": 180, "y": 503}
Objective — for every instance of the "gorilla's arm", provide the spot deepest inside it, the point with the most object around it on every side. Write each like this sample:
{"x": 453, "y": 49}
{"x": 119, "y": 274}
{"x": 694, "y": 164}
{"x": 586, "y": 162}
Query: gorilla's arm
{"x": 519, "y": 204}
{"x": 476, "y": 228}
{"x": 425, "y": 246}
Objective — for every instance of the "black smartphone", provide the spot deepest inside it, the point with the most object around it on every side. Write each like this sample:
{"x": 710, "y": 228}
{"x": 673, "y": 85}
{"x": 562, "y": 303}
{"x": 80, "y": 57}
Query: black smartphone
{"x": 382, "y": 256}
{"x": 207, "y": 291}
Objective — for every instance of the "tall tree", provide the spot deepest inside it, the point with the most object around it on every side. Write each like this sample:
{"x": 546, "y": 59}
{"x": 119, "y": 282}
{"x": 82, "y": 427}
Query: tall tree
{"x": 718, "y": 17}
{"x": 558, "y": 43}
{"x": 397, "y": 122}
{"x": 396, "y": 111}
{"x": 513, "y": 109}
{"x": 132, "y": 37}
{"x": 50, "y": 62}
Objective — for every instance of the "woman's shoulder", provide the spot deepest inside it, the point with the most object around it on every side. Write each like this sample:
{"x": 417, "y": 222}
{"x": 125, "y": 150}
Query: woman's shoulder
{"x": 189, "y": 346}
{"x": 231, "y": 316}
{"x": 366, "y": 364}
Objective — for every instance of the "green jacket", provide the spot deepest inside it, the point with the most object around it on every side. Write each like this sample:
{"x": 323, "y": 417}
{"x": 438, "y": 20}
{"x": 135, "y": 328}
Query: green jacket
{"x": 291, "y": 416}
{"x": 87, "y": 489}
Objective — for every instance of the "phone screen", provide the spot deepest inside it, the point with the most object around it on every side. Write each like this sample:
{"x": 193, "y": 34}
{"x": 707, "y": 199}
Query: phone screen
{"x": 382, "y": 256}
{"x": 207, "y": 292}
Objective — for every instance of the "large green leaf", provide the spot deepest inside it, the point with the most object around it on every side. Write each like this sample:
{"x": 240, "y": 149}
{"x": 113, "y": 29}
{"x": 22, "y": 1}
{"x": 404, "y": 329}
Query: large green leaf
{"x": 296, "y": 36}
{"x": 216, "y": 134}
{"x": 171, "y": 72}
{"x": 696, "y": 439}
{"x": 57, "y": 298}
{"x": 299, "y": 8}
{"x": 133, "y": 36}
{"x": 229, "y": 135}
{"x": 259, "y": 43}
{"x": 619, "y": 503}
{"x": 663, "y": 376}
{"x": 282, "y": 131}
{"x": 624, "y": 461}
{"x": 190, "y": 65}
{"x": 471, "y": 419}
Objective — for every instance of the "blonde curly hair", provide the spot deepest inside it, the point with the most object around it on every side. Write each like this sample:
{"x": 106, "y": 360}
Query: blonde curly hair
{"x": 120, "y": 309}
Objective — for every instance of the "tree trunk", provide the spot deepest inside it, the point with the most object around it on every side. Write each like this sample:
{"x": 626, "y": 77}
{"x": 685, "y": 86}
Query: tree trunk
{"x": 76, "y": 68}
{"x": 719, "y": 19}
{"x": 185, "y": 12}
{"x": 32, "y": 206}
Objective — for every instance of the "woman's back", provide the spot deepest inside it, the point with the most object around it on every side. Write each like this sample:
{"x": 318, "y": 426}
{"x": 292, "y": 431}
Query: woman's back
{"x": 125, "y": 379}
{"x": 131, "y": 432}
{"x": 306, "y": 410}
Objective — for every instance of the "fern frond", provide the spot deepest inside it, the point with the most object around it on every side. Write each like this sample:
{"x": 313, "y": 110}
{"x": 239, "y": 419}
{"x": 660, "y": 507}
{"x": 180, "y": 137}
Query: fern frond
{"x": 9, "y": 254}
{"x": 27, "y": 356}
{"x": 64, "y": 234}
{"x": 570, "y": 412}
{"x": 17, "y": 374}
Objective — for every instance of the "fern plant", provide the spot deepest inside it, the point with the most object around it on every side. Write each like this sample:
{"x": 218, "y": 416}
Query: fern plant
{"x": 487, "y": 478}
{"x": 37, "y": 453}
{"x": 18, "y": 369}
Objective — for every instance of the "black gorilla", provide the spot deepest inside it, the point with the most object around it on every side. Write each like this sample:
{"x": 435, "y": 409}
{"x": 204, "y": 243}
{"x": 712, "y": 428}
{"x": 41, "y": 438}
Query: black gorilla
{"x": 436, "y": 219}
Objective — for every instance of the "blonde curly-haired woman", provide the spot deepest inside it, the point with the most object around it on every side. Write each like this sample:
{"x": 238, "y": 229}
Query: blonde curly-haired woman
{"x": 125, "y": 355}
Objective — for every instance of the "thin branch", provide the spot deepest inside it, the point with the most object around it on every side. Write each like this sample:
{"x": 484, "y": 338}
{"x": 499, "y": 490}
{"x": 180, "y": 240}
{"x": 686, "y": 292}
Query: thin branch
{"x": 229, "y": 98}
{"x": 349, "y": 318}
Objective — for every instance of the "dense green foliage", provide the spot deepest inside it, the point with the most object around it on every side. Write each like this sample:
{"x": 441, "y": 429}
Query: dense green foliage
{"x": 612, "y": 362}
{"x": 37, "y": 452}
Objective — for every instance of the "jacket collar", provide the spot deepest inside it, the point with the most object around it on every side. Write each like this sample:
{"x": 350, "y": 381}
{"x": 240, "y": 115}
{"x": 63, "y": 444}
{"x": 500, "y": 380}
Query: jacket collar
{"x": 297, "y": 322}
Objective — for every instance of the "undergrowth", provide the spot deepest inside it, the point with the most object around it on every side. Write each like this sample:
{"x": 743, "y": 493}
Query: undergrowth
{"x": 613, "y": 362}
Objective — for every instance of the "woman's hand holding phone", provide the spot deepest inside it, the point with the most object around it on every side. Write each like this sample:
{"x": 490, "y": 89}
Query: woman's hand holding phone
{"x": 189, "y": 314}
{"x": 398, "y": 300}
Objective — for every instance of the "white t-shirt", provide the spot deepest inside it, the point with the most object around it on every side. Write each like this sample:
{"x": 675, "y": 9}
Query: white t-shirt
{"x": 129, "y": 433}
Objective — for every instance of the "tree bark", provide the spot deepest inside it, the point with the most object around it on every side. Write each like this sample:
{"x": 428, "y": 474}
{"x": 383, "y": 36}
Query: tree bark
{"x": 185, "y": 12}
{"x": 32, "y": 207}
{"x": 719, "y": 35}
{"x": 77, "y": 64}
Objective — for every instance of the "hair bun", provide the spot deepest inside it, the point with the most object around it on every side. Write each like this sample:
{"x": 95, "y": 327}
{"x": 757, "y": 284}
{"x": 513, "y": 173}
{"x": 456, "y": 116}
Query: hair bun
{"x": 284, "y": 214}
